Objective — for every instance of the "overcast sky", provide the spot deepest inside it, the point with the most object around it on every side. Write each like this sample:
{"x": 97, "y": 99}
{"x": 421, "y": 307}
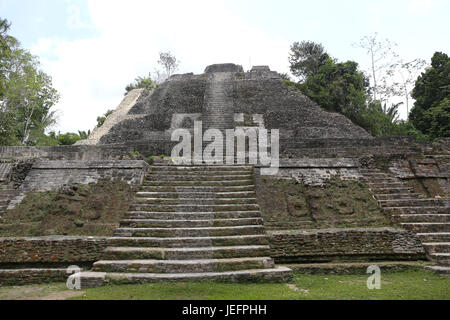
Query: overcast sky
{"x": 94, "y": 48}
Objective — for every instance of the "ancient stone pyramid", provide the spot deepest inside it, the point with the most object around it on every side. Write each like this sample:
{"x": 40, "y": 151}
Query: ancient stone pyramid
{"x": 223, "y": 97}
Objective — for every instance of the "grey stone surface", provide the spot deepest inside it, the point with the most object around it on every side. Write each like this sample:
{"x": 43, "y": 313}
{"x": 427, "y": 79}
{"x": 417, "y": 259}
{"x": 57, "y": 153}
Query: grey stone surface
{"x": 52, "y": 175}
{"x": 223, "y": 91}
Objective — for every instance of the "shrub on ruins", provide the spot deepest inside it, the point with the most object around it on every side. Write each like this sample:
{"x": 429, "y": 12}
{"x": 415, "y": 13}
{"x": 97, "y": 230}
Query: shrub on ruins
{"x": 141, "y": 83}
{"x": 26, "y": 94}
{"x": 381, "y": 120}
{"x": 101, "y": 120}
{"x": 431, "y": 111}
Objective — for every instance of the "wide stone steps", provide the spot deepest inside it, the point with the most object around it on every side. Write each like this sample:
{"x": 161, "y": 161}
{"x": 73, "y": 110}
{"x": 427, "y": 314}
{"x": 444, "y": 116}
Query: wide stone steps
{"x": 242, "y": 188}
{"x": 192, "y": 215}
{"x": 417, "y": 210}
{"x": 424, "y": 227}
{"x": 441, "y": 270}
{"x": 200, "y": 201}
{"x": 126, "y": 253}
{"x": 421, "y": 217}
{"x": 196, "y": 223}
{"x": 428, "y": 217}
{"x": 437, "y": 247}
{"x": 415, "y": 202}
{"x": 189, "y": 232}
{"x": 403, "y": 190}
{"x": 188, "y": 173}
{"x": 397, "y": 196}
{"x": 197, "y": 195}
{"x": 193, "y": 208}
{"x": 183, "y": 266}
{"x": 382, "y": 181}
{"x": 189, "y": 242}
{"x": 212, "y": 183}
{"x": 442, "y": 259}
{"x": 200, "y": 168}
{"x": 186, "y": 178}
{"x": 377, "y": 186}
{"x": 275, "y": 275}
{"x": 434, "y": 237}
{"x": 149, "y": 223}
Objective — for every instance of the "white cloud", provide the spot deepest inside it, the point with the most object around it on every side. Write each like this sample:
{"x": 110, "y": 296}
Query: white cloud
{"x": 91, "y": 73}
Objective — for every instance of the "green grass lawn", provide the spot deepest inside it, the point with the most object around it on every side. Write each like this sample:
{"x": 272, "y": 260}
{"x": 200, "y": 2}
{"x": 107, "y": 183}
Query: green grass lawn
{"x": 403, "y": 285}
{"x": 413, "y": 284}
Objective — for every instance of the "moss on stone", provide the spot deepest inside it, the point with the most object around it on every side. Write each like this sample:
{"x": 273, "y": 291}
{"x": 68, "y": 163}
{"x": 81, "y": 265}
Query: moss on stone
{"x": 287, "y": 204}
{"x": 93, "y": 210}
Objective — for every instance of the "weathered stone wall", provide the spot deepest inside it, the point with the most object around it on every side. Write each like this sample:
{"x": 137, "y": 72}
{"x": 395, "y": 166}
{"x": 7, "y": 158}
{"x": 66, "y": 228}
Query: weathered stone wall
{"x": 51, "y": 250}
{"x": 286, "y": 246}
{"x": 32, "y": 276}
{"x": 300, "y": 148}
{"x": 429, "y": 176}
{"x": 345, "y": 245}
{"x": 52, "y": 175}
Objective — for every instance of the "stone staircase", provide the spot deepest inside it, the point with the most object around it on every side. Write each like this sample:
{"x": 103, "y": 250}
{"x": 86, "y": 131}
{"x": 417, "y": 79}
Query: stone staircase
{"x": 190, "y": 223}
{"x": 218, "y": 102}
{"x": 7, "y": 193}
{"x": 429, "y": 218}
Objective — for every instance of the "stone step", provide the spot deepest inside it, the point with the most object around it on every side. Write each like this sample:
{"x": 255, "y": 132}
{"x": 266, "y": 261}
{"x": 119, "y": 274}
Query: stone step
{"x": 193, "y": 207}
{"x": 133, "y": 253}
{"x": 183, "y": 173}
{"x": 376, "y": 186}
{"x": 200, "y": 168}
{"x": 417, "y": 210}
{"x": 397, "y": 196}
{"x": 186, "y": 178}
{"x": 192, "y": 215}
{"x": 424, "y": 227}
{"x": 434, "y": 237}
{"x": 404, "y": 190}
{"x": 197, "y": 195}
{"x": 249, "y": 187}
{"x": 442, "y": 259}
{"x": 189, "y": 232}
{"x": 443, "y": 271}
{"x": 8, "y": 193}
{"x": 182, "y": 266}
{"x": 147, "y": 223}
{"x": 421, "y": 217}
{"x": 272, "y": 275}
{"x": 437, "y": 247}
{"x": 371, "y": 175}
{"x": 189, "y": 242}
{"x": 429, "y": 202}
{"x": 212, "y": 183}
{"x": 199, "y": 201}
{"x": 380, "y": 180}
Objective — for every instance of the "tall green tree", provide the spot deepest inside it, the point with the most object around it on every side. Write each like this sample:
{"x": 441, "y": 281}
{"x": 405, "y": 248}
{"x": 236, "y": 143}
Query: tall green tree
{"x": 306, "y": 58}
{"x": 338, "y": 87}
{"x": 26, "y": 94}
{"x": 431, "y": 111}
